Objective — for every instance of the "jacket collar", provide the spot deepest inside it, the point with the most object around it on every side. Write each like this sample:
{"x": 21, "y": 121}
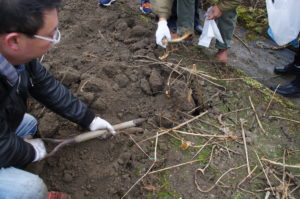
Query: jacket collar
{"x": 8, "y": 71}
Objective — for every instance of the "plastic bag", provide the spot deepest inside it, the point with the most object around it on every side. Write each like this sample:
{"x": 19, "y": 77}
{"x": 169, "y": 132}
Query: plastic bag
{"x": 210, "y": 30}
{"x": 284, "y": 20}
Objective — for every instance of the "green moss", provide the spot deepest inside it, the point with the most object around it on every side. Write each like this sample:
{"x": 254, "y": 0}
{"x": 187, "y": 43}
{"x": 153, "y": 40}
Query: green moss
{"x": 253, "y": 19}
{"x": 165, "y": 191}
{"x": 203, "y": 156}
{"x": 145, "y": 18}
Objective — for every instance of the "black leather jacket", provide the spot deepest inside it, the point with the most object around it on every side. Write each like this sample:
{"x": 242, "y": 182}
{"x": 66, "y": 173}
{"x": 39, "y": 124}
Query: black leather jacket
{"x": 35, "y": 80}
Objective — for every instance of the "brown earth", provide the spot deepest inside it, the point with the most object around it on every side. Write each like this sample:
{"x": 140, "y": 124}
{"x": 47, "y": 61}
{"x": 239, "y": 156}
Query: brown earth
{"x": 108, "y": 58}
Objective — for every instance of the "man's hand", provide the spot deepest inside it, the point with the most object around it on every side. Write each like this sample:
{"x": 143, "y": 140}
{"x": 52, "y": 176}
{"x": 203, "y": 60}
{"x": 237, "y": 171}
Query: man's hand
{"x": 213, "y": 13}
{"x": 39, "y": 147}
{"x": 162, "y": 32}
{"x": 99, "y": 123}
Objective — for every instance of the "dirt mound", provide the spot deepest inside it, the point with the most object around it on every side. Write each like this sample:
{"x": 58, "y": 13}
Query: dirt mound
{"x": 96, "y": 61}
{"x": 108, "y": 58}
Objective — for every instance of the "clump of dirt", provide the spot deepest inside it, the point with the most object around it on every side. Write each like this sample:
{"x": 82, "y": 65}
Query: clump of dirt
{"x": 108, "y": 58}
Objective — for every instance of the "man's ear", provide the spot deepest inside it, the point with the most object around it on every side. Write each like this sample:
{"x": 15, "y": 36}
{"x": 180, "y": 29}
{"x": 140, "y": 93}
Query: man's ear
{"x": 12, "y": 40}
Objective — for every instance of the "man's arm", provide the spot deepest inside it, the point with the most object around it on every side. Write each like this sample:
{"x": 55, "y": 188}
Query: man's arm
{"x": 59, "y": 99}
{"x": 225, "y": 5}
{"x": 50, "y": 92}
{"x": 14, "y": 151}
{"x": 162, "y": 8}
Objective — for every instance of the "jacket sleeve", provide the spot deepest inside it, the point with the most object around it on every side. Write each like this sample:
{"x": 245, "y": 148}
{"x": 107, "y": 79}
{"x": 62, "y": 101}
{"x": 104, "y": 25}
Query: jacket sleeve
{"x": 50, "y": 92}
{"x": 162, "y": 7}
{"x": 14, "y": 151}
{"x": 226, "y": 5}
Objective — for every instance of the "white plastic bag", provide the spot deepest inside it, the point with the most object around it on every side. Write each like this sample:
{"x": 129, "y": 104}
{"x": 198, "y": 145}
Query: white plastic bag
{"x": 210, "y": 30}
{"x": 284, "y": 20}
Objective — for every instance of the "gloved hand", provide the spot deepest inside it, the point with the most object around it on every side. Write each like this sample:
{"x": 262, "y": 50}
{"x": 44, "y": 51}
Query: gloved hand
{"x": 39, "y": 147}
{"x": 162, "y": 31}
{"x": 99, "y": 123}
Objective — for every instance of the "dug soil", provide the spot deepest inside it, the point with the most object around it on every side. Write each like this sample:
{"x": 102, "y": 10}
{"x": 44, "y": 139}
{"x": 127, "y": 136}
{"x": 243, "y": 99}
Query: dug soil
{"x": 199, "y": 108}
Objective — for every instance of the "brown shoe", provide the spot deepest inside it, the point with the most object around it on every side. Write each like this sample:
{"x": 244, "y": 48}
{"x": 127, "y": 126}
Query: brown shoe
{"x": 186, "y": 37}
{"x": 58, "y": 195}
{"x": 222, "y": 55}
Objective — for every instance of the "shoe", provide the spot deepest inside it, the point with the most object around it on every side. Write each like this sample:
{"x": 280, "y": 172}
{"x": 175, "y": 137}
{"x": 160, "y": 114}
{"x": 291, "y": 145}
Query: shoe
{"x": 288, "y": 90}
{"x": 106, "y": 2}
{"x": 291, "y": 69}
{"x": 146, "y": 6}
{"x": 58, "y": 195}
{"x": 222, "y": 55}
{"x": 176, "y": 36}
{"x": 198, "y": 29}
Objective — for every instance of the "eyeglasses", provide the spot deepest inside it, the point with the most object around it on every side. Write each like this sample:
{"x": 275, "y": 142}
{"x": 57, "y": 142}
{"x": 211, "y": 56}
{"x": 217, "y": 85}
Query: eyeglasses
{"x": 54, "y": 40}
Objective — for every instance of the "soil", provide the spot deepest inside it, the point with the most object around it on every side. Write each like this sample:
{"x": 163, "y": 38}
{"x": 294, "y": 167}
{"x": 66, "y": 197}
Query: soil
{"x": 108, "y": 58}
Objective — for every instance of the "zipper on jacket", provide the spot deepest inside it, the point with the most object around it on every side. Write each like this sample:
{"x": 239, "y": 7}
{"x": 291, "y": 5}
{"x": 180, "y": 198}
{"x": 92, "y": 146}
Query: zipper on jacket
{"x": 19, "y": 82}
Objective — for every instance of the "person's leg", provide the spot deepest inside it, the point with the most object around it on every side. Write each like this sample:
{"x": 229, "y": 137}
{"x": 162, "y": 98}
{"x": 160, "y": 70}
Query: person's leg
{"x": 16, "y": 183}
{"x": 173, "y": 18}
{"x": 293, "y": 88}
{"x": 297, "y": 58}
{"x": 185, "y": 16}
{"x": 290, "y": 69}
{"x": 28, "y": 126}
{"x": 226, "y": 24}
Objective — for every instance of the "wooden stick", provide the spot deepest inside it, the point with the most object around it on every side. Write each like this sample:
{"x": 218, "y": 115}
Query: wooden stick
{"x": 93, "y": 134}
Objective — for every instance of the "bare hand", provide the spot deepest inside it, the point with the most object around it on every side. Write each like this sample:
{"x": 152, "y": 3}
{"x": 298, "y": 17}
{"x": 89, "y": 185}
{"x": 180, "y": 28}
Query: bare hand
{"x": 214, "y": 13}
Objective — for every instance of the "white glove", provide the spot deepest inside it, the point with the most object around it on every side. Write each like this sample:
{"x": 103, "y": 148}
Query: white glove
{"x": 39, "y": 147}
{"x": 99, "y": 123}
{"x": 162, "y": 31}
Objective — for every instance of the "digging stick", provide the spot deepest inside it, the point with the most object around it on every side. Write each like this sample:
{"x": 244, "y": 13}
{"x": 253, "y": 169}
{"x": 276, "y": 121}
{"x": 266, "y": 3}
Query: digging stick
{"x": 89, "y": 135}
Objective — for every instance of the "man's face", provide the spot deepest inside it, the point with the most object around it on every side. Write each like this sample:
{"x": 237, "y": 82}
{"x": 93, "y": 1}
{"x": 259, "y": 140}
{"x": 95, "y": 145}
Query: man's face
{"x": 35, "y": 47}
{"x": 18, "y": 48}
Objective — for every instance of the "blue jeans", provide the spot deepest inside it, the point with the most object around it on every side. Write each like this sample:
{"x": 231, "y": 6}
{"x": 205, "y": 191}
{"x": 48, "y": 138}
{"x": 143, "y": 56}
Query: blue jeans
{"x": 19, "y": 184}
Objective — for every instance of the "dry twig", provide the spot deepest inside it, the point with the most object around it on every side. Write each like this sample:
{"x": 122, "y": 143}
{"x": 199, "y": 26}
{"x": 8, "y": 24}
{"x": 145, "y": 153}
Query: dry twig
{"x": 245, "y": 145}
{"x": 271, "y": 100}
{"x": 174, "y": 128}
{"x": 202, "y": 148}
{"x": 210, "y": 159}
{"x": 282, "y": 118}
{"x": 155, "y": 150}
{"x": 257, "y": 118}
{"x": 297, "y": 166}
{"x": 174, "y": 166}
{"x": 263, "y": 169}
{"x": 212, "y": 187}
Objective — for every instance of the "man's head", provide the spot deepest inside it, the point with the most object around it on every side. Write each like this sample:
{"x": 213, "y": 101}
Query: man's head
{"x": 23, "y": 26}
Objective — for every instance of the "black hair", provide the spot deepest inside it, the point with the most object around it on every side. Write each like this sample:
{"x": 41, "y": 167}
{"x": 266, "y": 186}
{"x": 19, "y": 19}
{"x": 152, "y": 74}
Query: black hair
{"x": 24, "y": 16}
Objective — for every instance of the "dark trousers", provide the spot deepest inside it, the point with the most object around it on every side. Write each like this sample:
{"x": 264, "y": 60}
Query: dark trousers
{"x": 297, "y": 58}
{"x": 297, "y": 63}
{"x": 173, "y": 18}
